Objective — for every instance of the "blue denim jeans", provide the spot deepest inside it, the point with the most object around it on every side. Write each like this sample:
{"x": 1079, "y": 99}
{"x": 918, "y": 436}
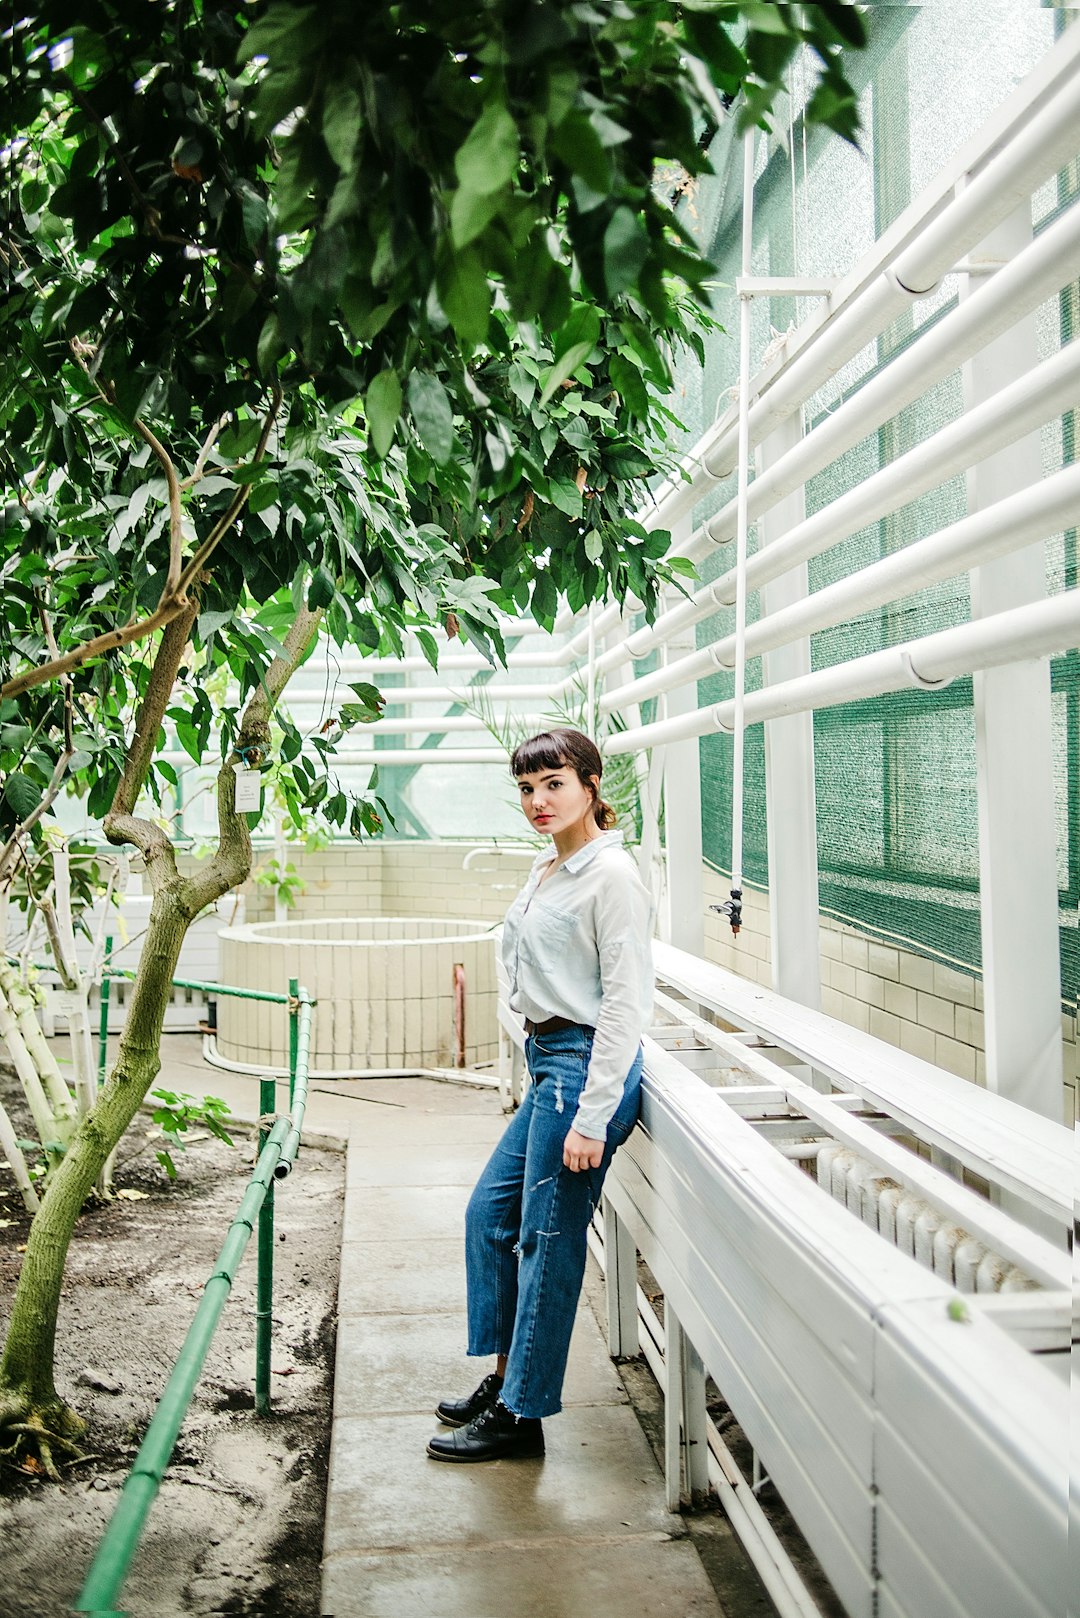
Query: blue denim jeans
{"x": 526, "y": 1223}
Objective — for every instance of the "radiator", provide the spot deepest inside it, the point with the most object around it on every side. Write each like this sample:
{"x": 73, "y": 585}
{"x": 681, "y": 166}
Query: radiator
{"x": 914, "y": 1225}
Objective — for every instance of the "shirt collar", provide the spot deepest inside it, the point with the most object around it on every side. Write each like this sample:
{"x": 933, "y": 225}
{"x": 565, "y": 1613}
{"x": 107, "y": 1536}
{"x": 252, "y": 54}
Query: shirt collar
{"x": 585, "y": 854}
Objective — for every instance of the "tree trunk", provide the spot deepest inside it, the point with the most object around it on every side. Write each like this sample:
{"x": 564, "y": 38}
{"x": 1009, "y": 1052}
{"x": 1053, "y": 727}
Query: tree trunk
{"x": 27, "y": 1394}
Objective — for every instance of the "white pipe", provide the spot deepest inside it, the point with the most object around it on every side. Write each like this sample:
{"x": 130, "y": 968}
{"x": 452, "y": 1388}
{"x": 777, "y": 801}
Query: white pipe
{"x": 1020, "y": 286}
{"x": 743, "y": 524}
{"x": 434, "y": 724}
{"x": 454, "y": 662}
{"x": 1034, "y": 398}
{"x": 997, "y": 530}
{"x": 1024, "y": 283}
{"x": 357, "y": 757}
{"x": 781, "y": 1578}
{"x": 1039, "y": 629}
{"x": 1024, "y": 143}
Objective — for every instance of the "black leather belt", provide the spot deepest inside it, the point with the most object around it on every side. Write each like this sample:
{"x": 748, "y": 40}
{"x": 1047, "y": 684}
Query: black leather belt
{"x": 552, "y": 1025}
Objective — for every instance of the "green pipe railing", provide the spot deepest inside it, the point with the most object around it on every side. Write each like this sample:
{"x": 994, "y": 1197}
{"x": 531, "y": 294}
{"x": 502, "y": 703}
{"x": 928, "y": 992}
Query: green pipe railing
{"x": 115, "y": 1553}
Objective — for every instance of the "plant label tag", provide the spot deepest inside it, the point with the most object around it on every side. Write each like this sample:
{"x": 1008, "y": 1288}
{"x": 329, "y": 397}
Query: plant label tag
{"x": 248, "y": 790}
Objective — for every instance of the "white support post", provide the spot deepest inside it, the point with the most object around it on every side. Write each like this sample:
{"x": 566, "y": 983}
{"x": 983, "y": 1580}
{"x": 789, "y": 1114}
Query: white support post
{"x": 682, "y": 803}
{"x": 790, "y": 796}
{"x": 620, "y": 1278}
{"x": 1014, "y": 742}
{"x": 695, "y": 1424}
{"x": 673, "y": 1407}
{"x": 686, "y": 1437}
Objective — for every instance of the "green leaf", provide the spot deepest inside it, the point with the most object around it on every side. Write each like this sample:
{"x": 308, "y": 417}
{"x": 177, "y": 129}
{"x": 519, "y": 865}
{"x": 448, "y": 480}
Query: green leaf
{"x": 628, "y": 381}
{"x": 466, "y": 295}
{"x": 594, "y": 545}
{"x": 681, "y": 565}
{"x": 471, "y": 212}
{"x": 321, "y": 591}
{"x": 341, "y": 123}
{"x": 271, "y": 344}
{"x": 21, "y": 794}
{"x": 432, "y": 414}
{"x": 626, "y": 247}
{"x": 566, "y": 366}
{"x": 382, "y": 406}
{"x": 565, "y": 495}
{"x": 429, "y": 647}
{"x": 489, "y": 156}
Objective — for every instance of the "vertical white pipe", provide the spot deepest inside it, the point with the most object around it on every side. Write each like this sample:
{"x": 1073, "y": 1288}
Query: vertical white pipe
{"x": 591, "y": 714}
{"x": 742, "y": 519}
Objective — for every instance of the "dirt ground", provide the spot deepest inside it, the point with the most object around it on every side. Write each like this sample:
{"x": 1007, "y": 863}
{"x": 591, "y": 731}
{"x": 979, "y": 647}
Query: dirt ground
{"x": 237, "y": 1526}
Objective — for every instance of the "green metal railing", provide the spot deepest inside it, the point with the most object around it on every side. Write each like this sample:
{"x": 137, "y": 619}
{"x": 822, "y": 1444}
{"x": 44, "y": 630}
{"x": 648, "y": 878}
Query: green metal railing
{"x": 278, "y": 1146}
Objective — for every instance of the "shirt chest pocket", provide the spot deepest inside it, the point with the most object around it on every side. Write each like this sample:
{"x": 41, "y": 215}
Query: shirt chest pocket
{"x": 547, "y": 935}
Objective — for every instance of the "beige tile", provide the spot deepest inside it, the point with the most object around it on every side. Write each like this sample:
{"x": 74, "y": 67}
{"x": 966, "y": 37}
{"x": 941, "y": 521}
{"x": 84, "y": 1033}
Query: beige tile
{"x": 917, "y": 1041}
{"x": 884, "y": 1026}
{"x": 969, "y": 1027}
{"x": 916, "y": 971}
{"x": 954, "y": 1057}
{"x": 869, "y": 988}
{"x": 884, "y": 960}
{"x": 902, "y": 1001}
{"x": 843, "y": 978}
{"x": 940, "y": 1015}
{"x": 952, "y": 985}
{"x": 855, "y": 951}
{"x": 857, "y": 1013}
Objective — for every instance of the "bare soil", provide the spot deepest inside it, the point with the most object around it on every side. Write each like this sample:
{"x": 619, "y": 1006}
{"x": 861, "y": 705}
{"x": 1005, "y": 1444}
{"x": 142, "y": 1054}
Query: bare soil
{"x": 237, "y": 1526}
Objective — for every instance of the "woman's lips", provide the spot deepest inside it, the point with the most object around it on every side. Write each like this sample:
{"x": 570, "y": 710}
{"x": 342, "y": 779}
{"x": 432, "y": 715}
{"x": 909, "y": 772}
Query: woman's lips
{"x": 541, "y": 820}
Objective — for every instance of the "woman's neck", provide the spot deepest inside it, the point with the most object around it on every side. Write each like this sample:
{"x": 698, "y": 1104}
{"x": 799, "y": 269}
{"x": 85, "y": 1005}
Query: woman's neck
{"x": 568, "y": 842}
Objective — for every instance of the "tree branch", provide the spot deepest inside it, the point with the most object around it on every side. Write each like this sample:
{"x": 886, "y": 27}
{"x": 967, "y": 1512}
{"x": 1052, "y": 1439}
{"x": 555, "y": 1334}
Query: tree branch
{"x": 232, "y": 860}
{"x": 165, "y": 611}
{"x": 200, "y": 465}
{"x": 152, "y": 711}
{"x": 176, "y": 515}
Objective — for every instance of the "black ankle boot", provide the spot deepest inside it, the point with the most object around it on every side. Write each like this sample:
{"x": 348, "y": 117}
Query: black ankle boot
{"x": 495, "y": 1434}
{"x": 459, "y": 1412}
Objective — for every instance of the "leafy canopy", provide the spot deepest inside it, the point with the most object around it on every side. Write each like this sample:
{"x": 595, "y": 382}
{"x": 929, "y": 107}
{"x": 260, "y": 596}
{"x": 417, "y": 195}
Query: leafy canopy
{"x": 365, "y": 309}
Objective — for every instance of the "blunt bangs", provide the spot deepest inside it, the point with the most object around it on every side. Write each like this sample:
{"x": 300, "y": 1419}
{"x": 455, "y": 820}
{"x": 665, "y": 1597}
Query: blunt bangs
{"x": 543, "y": 752}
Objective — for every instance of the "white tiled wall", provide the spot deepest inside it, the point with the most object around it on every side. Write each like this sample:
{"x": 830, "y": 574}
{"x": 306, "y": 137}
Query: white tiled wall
{"x": 922, "y": 1006}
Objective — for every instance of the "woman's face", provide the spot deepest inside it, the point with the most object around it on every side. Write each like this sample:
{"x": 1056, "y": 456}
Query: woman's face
{"x": 555, "y": 800}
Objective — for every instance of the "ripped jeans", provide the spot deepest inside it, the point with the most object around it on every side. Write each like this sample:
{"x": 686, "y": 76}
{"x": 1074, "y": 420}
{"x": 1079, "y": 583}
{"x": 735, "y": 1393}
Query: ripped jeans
{"x": 526, "y": 1223}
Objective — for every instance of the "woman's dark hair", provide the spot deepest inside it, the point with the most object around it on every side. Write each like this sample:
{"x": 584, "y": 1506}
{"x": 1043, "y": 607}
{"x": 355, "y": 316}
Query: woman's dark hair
{"x": 565, "y": 750}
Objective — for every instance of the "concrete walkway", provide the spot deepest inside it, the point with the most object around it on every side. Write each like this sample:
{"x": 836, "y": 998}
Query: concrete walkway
{"x": 582, "y": 1533}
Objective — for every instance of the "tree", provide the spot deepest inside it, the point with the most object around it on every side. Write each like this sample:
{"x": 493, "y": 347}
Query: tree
{"x": 320, "y": 317}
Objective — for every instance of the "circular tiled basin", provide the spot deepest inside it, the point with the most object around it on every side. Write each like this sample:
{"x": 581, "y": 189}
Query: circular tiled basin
{"x": 386, "y": 987}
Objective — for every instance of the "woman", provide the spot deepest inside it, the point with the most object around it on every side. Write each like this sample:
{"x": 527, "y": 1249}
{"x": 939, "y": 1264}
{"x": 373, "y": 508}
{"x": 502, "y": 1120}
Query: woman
{"x": 576, "y": 946}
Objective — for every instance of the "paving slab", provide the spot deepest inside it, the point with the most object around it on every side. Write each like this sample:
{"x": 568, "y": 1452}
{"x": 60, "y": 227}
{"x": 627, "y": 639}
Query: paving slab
{"x": 391, "y": 1364}
{"x": 582, "y": 1579}
{"x": 413, "y": 1278}
{"x": 416, "y": 1213}
{"x": 598, "y": 1478}
{"x": 428, "y": 1163}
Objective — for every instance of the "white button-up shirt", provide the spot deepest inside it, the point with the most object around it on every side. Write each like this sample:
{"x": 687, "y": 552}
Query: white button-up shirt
{"x": 580, "y": 948}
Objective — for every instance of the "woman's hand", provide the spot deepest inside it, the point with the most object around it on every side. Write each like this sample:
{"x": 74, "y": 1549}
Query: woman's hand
{"x": 579, "y": 1152}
